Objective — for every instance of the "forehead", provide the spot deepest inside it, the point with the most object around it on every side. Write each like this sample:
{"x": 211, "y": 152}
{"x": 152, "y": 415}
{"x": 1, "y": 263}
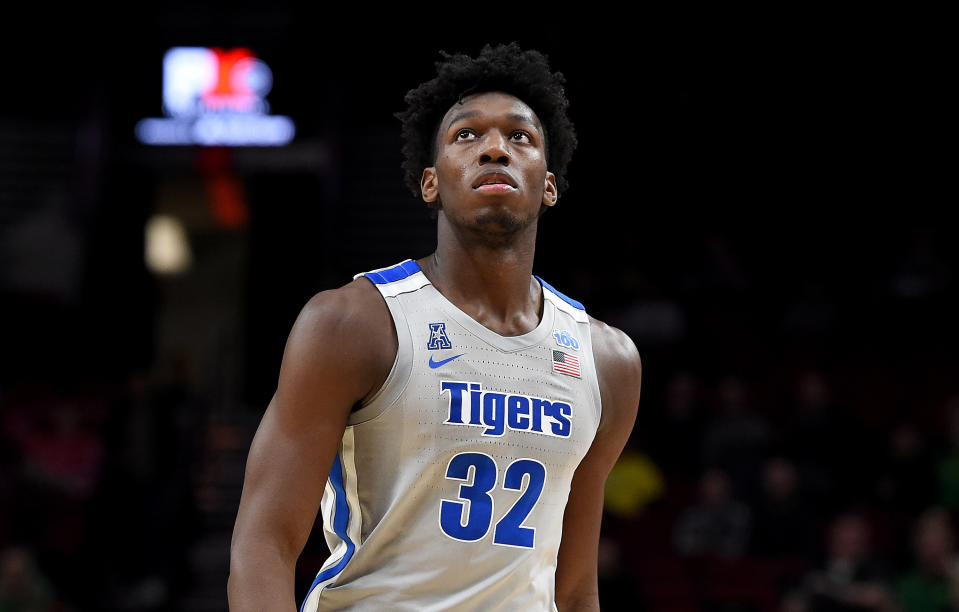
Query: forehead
{"x": 494, "y": 104}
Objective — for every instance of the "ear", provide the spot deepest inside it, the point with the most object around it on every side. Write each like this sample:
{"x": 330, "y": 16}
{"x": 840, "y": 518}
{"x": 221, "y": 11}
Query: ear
{"x": 550, "y": 193}
{"x": 429, "y": 185}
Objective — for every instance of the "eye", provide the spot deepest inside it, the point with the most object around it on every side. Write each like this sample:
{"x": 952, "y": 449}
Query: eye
{"x": 464, "y": 134}
{"x": 520, "y": 136}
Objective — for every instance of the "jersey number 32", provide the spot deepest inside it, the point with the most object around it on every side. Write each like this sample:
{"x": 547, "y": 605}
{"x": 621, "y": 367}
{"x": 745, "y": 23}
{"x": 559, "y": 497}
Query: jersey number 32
{"x": 469, "y": 517}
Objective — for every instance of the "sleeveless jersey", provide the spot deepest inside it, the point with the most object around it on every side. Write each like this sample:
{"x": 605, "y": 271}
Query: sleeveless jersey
{"x": 449, "y": 487}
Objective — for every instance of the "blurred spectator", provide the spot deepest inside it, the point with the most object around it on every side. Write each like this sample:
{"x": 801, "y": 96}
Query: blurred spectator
{"x": 738, "y": 439}
{"x": 850, "y": 579}
{"x": 905, "y": 480}
{"x": 60, "y": 462}
{"x": 718, "y": 268}
{"x": 947, "y": 468}
{"x": 617, "y": 584}
{"x": 9, "y": 471}
{"x": 62, "y": 454}
{"x": 821, "y": 439}
{"x": 23, "y": 588}
{"x": 147, "y": 492}
{"x": 718, "y": 526}
{"x": 633, "y": 482}
{"x": 919, "y": 271}
{"x": 42, "y": 252}
{"x": 675, "y": 437}
{"x": 932, "y": 585}
{"x": 651, "y": 317}
{"x": 784, "y": 524}
{"x": 814, "y": 314}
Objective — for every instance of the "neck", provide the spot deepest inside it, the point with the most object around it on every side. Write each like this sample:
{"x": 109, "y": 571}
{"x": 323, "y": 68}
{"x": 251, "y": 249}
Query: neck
{"x": 489, "y": 278}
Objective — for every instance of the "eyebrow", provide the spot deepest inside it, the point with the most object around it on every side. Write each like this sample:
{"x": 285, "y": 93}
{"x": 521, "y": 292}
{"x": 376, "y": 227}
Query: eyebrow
{"x": 521, "y": 117}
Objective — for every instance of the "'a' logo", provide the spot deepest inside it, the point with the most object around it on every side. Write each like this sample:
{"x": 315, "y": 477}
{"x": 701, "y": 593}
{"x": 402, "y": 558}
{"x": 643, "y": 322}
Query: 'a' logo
{"x": 438, "y": 337}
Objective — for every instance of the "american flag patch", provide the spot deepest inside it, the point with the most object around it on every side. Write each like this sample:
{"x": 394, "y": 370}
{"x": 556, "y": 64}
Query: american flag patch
{"x": 564, "y": 363}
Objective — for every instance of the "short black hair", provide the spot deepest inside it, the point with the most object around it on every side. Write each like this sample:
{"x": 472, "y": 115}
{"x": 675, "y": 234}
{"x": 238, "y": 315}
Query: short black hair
{"x": 506, "y": 68}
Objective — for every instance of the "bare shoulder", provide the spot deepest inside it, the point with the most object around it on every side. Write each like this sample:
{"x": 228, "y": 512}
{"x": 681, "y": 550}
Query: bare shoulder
{"x": 613, "y": 348}
{"x": 354, "y": 307}
{"x": 346, "y": 333}
{"x": 619, "y": 369}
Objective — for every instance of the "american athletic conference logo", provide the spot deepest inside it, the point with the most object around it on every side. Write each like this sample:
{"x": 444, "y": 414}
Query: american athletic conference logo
{"x": 438, "y": 338}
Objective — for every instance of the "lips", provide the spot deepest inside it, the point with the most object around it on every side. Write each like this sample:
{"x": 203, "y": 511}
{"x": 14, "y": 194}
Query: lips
{"x": 494, "y": 178}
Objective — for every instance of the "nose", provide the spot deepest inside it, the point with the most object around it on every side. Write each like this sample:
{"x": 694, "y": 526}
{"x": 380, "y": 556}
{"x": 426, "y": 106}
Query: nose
{"x": 494, "y": 149}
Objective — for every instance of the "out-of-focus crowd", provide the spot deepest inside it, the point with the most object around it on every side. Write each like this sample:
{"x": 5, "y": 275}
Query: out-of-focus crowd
{"x": 98, "y": 491}
{"x": 794, "y": 450}
{"x": 798, "y": 455}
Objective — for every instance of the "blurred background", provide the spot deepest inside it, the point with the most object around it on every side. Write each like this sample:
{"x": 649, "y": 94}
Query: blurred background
{"x": 759, "y": 210}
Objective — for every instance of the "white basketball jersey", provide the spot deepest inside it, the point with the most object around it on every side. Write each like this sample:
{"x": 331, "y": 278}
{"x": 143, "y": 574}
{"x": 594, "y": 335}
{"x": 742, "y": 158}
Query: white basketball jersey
{"x": 449, "y": 487}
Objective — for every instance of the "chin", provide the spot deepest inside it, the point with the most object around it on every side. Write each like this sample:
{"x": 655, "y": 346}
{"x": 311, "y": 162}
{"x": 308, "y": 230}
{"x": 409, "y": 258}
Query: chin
{"x": 501, "y": 218}
{"x": 500, "y": 222}
{"x": 497, "y": 220}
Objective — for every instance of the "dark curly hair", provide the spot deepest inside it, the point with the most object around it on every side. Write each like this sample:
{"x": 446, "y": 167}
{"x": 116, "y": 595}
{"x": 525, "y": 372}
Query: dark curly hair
{"x": 506, "y": 68}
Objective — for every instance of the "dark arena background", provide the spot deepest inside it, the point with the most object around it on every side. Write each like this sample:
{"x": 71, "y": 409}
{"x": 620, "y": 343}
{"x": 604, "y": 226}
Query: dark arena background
{"x": 759, "y": 208}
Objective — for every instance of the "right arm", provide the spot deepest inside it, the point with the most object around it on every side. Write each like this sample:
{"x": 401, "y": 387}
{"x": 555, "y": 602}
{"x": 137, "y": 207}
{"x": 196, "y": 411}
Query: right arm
{"x": 339, "y": 352}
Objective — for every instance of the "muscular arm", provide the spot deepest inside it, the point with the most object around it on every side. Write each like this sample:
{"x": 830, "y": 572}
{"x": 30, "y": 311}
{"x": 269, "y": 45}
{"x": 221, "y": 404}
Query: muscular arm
{"x": 620, "y": 371}
{"x": 324, "y": 373}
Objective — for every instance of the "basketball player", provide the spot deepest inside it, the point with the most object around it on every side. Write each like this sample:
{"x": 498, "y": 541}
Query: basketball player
{"x": 454, "y": 417}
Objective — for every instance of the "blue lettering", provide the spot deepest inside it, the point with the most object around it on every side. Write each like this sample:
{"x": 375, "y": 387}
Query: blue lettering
{"x": 494, "y": 413}
{"x": 560, "y": 425}
{"x": 438, "y": 338}
{"x": 539, "y": 407}
{"x": 517, "y": 409}
{"x": 475, "y": 404}
{"x": 456, "y": 390}
{"x": 564, "y": 338}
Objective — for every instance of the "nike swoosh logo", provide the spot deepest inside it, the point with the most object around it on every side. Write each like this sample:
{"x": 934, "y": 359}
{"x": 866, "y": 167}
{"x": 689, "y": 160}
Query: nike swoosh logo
{"x": 436, "y": 364}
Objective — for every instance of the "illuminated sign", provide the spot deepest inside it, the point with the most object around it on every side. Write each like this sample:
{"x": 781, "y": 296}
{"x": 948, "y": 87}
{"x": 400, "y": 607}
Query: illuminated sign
{"x": 215, "y": 97}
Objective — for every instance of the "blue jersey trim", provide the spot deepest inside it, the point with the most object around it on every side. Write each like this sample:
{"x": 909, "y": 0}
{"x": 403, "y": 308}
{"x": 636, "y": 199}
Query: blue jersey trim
{"x": 397, "y": 272}
{"x": 341, "y": 518}
{"x": 566, "y": 299}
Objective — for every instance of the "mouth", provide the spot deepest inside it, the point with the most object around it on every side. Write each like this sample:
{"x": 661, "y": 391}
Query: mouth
{"x": 499, "y": 181}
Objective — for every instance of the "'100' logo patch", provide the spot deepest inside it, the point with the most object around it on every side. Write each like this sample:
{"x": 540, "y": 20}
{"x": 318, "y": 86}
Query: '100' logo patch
{"x": 565, "y": 339}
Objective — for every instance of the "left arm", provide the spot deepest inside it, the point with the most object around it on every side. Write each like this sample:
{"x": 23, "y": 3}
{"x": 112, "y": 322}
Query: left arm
{"x": 619, "y": 370}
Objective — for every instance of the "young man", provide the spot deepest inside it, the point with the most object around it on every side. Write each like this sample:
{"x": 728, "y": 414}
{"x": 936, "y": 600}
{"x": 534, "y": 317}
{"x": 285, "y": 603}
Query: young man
{"x": 457, "y": 415}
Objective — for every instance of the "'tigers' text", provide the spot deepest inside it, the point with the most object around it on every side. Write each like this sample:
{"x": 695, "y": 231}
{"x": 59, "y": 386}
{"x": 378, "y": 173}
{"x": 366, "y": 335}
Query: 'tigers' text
{"x": 470, "y": 405}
